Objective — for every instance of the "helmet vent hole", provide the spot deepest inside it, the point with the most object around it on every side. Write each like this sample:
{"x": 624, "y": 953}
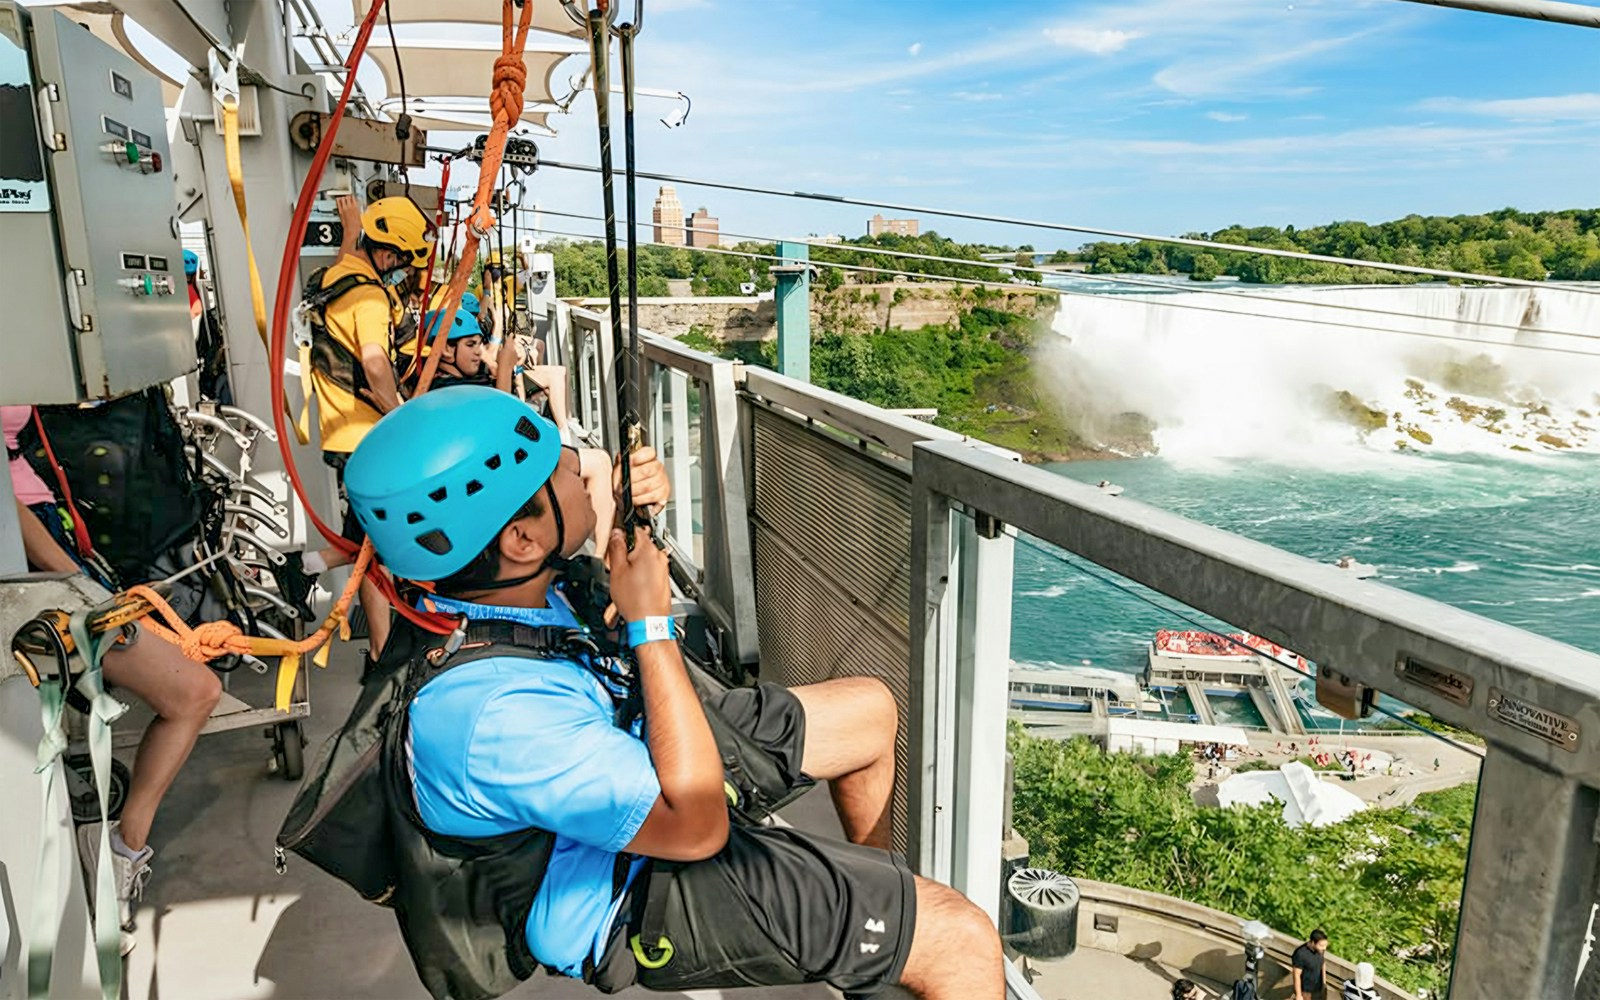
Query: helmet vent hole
{"x": 438, "y": 495}
{"x": 519, "y": 456}
{"x": 473, "y": 486}
{"x": 380, "y": 513}
{"x": 413, "y": 518}
{"x": 528, "y": 429}
{"x": 435, "y": 541}
{"x": 492, "y": 463}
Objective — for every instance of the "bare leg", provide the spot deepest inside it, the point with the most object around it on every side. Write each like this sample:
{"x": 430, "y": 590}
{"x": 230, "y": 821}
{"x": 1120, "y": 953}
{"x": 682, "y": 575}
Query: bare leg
{"x": 955, "y": 952}
{"x": 553, "y": 379}
{"x": 376, "y": 607}
{"x": 183, "y": 693}
{"x": 850, "y": 733}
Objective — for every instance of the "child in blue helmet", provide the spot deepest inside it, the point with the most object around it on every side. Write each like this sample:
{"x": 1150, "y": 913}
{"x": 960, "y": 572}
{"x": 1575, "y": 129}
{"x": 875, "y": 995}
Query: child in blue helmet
{"x": 461, "y": 361}
{"x": 470, "y": 489}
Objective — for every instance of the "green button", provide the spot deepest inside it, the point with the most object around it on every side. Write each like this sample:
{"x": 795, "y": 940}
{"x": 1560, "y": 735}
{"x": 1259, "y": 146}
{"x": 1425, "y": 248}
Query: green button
{"x": 149, "y": 285}
{"x": 132, "y": 152}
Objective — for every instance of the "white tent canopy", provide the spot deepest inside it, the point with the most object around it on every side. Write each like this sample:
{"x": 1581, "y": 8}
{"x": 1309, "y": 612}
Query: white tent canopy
{"x": 1153, "y": 736}
{"x": 461, "y": 69}
{"x": 459, "y": 115}
{"x": 1306, "y": 798}
{"x": 547, "y": 14}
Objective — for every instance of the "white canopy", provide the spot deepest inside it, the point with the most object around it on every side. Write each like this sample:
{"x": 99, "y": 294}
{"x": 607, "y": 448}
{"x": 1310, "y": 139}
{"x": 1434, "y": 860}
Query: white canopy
{"x": 1153, "y": 736}
{"x": 547, "y": 14}
{"x": 461, "y": 69}
{"x": 1306, "y": 798}
{"x": 463, "y": 115}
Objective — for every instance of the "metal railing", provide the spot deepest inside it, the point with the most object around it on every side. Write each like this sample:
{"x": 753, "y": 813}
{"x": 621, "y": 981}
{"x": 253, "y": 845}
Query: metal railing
{"x": 958, "y": 506}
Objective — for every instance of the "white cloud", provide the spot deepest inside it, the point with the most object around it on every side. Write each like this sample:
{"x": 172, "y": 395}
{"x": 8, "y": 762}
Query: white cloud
{"x": 1236, "y": 72}
{"x": 977, "y": 96}
{"x": 1097, "y": 41}
{"x": 915, "y": 49}
{"x": 1225, "y": 116}
{"x": 1565, "y": 107}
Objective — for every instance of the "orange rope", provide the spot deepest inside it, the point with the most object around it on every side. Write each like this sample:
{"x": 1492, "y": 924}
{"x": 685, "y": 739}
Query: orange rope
{"x": 505, "y": 102}
{"x": 209, "y": 640}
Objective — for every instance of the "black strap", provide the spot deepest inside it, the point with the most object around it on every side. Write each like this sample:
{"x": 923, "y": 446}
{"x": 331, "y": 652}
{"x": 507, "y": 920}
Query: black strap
{"x": 647, "y": 943}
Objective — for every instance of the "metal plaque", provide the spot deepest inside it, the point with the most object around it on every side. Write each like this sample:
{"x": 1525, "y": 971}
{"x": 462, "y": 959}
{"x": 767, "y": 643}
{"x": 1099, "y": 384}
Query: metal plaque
{"x": 1552, "y": 727}
{"x": 1442, "y": 681}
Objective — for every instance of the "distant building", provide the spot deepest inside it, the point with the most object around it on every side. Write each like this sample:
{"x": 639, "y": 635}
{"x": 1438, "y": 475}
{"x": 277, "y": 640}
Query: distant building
{"x": 878, "y": 226}
{"x": 668, "y": 216}
{"x": 703, "y": 229}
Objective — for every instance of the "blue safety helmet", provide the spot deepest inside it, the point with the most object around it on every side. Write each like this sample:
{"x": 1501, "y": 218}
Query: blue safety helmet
{"x": 191, "y": 263}
{"x": 464, "y": 325}
{"x": 436, "y": 480}
{"x": 469, "y": 302}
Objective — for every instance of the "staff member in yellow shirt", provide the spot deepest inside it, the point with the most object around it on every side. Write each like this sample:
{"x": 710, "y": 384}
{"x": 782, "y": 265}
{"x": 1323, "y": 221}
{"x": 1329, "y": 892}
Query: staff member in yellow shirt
{"x": 354, "y": 379}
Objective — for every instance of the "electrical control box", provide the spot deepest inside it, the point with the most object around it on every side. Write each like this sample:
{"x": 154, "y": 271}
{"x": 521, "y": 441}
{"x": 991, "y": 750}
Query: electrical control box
{"x": 96, "y": 299}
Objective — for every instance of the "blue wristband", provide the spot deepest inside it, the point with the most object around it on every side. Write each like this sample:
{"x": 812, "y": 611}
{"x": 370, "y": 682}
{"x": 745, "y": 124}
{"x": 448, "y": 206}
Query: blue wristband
{"x": 653, "y": 629}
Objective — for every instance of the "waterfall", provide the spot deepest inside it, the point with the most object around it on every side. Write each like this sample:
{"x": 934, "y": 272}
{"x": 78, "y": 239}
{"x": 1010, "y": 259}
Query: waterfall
{"x": 1247, "y": 371}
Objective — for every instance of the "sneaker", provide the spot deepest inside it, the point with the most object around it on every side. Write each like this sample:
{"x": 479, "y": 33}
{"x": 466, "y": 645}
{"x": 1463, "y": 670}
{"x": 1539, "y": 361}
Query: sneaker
{"x": 129, "y": 875}
{"x": 295, "y": 584}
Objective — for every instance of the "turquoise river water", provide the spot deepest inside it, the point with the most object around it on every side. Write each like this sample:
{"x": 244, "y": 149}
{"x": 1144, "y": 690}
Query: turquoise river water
{"x": 1516, "y": 541}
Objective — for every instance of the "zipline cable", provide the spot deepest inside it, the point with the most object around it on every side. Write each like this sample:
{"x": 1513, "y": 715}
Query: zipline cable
{"x": 1120, "y": 279}
{"x": 1188, "y": 241}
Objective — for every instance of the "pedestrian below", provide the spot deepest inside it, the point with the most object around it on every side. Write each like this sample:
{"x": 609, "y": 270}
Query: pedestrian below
{"x": 1183, "y": 989}
{"x": 1361, "y": 987}
{"x": 1306, "y": 967}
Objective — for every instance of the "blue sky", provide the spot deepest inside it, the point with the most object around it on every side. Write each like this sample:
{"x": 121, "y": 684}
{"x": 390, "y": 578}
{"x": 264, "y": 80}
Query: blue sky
{"x": 1148, "y": 115}
{"x": 1151, "y": 115}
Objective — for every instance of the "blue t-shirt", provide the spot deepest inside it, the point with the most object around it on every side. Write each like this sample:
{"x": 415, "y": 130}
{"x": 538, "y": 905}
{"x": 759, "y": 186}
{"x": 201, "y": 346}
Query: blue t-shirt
{"x": 509, "y": 743}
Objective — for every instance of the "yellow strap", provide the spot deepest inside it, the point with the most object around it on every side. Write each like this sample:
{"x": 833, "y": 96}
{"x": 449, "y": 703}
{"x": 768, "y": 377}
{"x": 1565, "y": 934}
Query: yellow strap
{"x": 258, "y": 299}
{"x": 302, "y": 426}
{"x": 288, "y": 668}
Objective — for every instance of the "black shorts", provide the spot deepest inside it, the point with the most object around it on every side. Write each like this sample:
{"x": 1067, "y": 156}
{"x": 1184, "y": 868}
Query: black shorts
{"x": 351, "y": 530}
{"x": 776, "y": 906}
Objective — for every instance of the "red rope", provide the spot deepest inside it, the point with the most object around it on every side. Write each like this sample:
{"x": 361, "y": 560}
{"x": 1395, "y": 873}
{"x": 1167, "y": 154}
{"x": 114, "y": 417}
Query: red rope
{"x": 80, "y": 530}
{"x": 282, "y": 304}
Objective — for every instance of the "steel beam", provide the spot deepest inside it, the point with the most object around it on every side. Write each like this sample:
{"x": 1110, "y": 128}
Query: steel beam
{"x": 1582, "y": 15}
{"x": 982, "y": 694}
{"x": 1530, "y": 884}
{"x": 930, "y": 770}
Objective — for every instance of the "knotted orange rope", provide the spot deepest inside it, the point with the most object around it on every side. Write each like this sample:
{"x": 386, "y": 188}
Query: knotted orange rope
{"x": 505, "y": 103}
{"x": 209, "y": 640}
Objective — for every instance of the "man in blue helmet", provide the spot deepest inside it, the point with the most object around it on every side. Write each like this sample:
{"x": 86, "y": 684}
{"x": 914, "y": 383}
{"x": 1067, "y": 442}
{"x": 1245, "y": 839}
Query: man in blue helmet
{"x": 471, "y": 490}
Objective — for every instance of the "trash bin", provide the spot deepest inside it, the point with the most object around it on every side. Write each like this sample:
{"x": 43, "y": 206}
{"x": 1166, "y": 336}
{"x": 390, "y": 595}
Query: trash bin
{"x": 1041, "y": 918}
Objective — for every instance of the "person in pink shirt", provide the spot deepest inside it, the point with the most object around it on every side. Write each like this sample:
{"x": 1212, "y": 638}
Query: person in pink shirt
{"x": 181, "y": 691}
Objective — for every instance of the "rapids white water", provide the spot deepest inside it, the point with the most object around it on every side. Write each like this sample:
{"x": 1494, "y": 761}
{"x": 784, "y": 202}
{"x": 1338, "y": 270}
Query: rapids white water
{"x": 1231, "y": 371}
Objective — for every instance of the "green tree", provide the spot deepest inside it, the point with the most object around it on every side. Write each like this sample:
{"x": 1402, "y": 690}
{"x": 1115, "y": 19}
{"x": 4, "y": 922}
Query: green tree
{"x": 1205, "y": 268}
{"x": 1386, "y": 883}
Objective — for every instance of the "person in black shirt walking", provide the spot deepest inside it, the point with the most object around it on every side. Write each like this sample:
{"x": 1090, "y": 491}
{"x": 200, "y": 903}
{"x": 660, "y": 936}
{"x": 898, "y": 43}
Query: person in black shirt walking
{"x": 1307, "y": 967}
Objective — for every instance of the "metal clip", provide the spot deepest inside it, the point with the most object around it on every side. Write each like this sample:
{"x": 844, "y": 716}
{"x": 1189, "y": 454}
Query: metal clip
{"x": 225, "y": 80}
{"x": 280, "y": 864}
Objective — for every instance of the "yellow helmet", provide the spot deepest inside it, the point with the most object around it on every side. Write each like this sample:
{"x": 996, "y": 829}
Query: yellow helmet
{"x": 399, "y": 223}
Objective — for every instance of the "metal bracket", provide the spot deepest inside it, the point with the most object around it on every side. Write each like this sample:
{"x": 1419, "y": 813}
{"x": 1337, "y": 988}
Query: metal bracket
{"x": 987, "y": 525}
{"x": 361, "y": 139}
{"x": 519, "y": 152}
{"x": 224, "y": 80}
{"x": 48, "y": 95}
{"x": 1343, "y": 696}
